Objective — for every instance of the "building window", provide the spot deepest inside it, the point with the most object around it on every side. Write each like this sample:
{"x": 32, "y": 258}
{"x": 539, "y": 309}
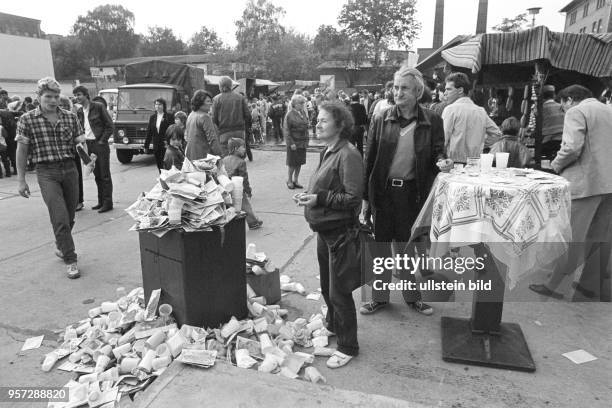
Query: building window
{"x": 585, "y": 11}
{"x": 573, "y": 17}
{"x": 601, "y": 3}
{"x": 594, "y": 28}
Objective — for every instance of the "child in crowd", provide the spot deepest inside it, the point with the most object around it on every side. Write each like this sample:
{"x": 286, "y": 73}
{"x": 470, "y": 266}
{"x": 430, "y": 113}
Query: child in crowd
{"x": 519, "y": 156}
{"x": 235, "y": 165}
{"x": 175, "y": 153}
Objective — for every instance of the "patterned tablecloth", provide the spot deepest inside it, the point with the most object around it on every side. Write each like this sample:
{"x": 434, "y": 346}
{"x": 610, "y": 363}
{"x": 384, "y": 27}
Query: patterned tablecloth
{"x": 523, "y": 216}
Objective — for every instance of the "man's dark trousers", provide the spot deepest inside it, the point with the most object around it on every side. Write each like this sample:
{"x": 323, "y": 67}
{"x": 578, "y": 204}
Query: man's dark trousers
{"x": 59, "y": 188}
{"x": 102, "y": 171}
{"x": 393, "y": 221}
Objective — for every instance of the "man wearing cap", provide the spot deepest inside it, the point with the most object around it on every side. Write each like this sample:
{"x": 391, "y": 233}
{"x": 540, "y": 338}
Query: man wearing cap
{"x": 405, "y": 152}
{"x": 49, "y": 135}
{"x": 230, "y": 113}
{"x": 467, "y": 127}
{"x": 552, "y": 123}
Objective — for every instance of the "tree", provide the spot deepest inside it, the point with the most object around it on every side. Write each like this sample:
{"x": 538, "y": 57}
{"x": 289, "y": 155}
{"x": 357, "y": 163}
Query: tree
{"x": 107, "y": 32}
{"x": 295, "y": 58}
{"x": 161, "y": 41}
{"x": 379, "y": 23}
{"x": 512, "y": 24}
{"x": 259, "y": 32}
{"x": 69, "y": 61}
{"x": 204, "y": 41}
{"x": 327, "y": 39}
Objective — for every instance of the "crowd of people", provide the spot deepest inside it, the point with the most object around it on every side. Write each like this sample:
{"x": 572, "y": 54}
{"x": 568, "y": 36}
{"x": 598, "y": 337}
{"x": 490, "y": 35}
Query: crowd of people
{"x": 382, "y": 154}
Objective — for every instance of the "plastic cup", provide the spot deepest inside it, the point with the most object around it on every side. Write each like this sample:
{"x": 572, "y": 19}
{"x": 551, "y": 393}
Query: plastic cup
{"x": 501, "y": 160}
{"x": 237, "y": 198}
{"x": 165, "y": 311}
{"x": 486, "y": 162}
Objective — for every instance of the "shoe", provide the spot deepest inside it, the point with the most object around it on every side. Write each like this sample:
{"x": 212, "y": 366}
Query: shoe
{"x": 97, "y": 206}
{"x": 296, "y": 185}
{"x": 421, "y": 307}
{"x": 543, "y": 290}
{"x": 59, "y": 254}
{"x": 338, "y": 360}
{"x": 257, "y": 225}
{"x": 79, "y": 207}
{"x": 290, "y": 185}
{"x": 105, "y": 208}
{"x": 73, "y": 271}
{"x": 581, "y": 289}
{"x": 8, "y": 173}
{"x": 372, "y": 307}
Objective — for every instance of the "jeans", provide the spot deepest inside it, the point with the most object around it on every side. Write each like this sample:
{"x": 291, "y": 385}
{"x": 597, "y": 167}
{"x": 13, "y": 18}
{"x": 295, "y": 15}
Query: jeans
{"x": 278, "y": 129}
{"x": 102, "y": 171}
{"x": 59, "y": 187}
{"x": 341, "y": 314}
{"x": 248, "y": 209}
{"x": 393, "y": 222}
{"x": 77, "y": 163}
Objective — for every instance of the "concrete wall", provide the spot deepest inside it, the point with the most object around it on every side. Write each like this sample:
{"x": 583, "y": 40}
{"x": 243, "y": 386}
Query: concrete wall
{"x": 593, "y": 16}
{"x": 24, "y": 58}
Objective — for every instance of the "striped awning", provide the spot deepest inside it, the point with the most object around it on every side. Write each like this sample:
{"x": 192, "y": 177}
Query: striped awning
{"x": 589, "y": 54}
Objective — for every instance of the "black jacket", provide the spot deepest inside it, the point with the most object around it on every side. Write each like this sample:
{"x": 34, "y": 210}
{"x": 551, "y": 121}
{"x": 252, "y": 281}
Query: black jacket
{"x": 382, "y": 143}
{"x": 159, "y": 138}
{"x": 99, "y": 120}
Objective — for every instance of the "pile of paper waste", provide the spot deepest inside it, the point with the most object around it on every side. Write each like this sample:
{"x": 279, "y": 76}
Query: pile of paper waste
{"x": 123, "y": 345}
{"x": 194, "y": 198}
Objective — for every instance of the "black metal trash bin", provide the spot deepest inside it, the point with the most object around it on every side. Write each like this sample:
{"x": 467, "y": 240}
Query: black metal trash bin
{"x": 200, "y": 274}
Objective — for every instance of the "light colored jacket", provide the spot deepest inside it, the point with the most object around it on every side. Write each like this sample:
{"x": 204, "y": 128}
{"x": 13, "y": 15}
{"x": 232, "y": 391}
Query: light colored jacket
{"x": 584, "y": 157}
{"x": 467, "y": 130}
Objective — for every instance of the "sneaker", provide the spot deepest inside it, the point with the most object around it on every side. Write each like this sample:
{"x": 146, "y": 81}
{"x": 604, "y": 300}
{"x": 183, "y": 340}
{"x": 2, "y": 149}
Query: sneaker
{"x": 338, "y": 360}
{"x": 73, "y": 271}
{"x": 372, "y": 307}
{"x": 421, "y": 307}
{"x": 257, "y": 225}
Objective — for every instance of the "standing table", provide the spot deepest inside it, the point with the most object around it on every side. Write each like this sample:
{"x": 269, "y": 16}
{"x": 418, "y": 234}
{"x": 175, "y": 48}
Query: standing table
{"x": 521, "y": 218}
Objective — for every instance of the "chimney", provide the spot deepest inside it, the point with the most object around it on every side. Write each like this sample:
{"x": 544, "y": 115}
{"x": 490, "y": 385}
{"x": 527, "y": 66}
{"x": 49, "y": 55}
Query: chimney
{"x": 481, "y": 22}
{"x": 438, "y": 36}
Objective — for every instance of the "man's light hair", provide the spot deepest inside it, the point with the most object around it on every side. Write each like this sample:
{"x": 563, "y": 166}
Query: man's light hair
{"x": 415, "y": 74}
{"x": 48, "y": 84}
{"x": 225, "y": 84}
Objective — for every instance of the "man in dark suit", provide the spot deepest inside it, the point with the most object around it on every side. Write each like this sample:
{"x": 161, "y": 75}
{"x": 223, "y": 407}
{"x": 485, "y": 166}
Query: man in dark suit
{"x": 360, "y": 118}
{"x": 156, "y": 132}
{"x": 405, "y": 152}
{"x": 98, "y": 127}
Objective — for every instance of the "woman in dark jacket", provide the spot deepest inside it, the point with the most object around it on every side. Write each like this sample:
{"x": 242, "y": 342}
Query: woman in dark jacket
{"x": 156, "y": 131}
{"x": 296, "y": 136}
{"x": 332, "y": 207}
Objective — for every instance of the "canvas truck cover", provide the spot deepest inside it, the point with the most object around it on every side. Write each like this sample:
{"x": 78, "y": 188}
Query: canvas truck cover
{"x": 163, "y": 72}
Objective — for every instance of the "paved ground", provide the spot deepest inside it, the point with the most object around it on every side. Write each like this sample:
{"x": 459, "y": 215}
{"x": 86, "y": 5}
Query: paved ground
{"x": 400, "y": 350}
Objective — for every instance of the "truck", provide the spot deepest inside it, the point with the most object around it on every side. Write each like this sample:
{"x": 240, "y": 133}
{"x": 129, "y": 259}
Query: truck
{"x": 145, "y": 82}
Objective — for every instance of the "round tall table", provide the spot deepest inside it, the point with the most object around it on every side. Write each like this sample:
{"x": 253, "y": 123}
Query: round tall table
{"x": 520, "y": 217}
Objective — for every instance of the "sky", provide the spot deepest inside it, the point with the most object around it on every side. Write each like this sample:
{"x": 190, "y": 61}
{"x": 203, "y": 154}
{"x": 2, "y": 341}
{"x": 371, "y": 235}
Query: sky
{"x": 305, "y": 16}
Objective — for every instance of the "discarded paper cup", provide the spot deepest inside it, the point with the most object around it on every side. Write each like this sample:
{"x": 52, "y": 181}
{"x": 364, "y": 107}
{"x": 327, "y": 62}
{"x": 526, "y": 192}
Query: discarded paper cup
{"x": 308, "y": 358}
{"x": 237, "y": 199}
{"x": 314, "y": 325}
{"x": 501, "y": 160}
{"x": 155, "y": 340}
{"x": 76, "y": 356}
{"x": 128, "y": 364}
{"x": 88, "y": 378}
{"x": 320, "y": 341}
{"x": 112, "y": 374}
{"x": 230, "y": 328}
{"x": 101, "y": 363}
{"x": 103, "y": 351}
{"x": 83, "y": 328}
{"x": 161, "y": 362}
{"x": 486, "y": 162}
{"x": 147, "y": 361}
{"x": 94, "y": 312}
{"x": 121, "y": 350}
{"x": 128, "y": 337}
{"x": 108, "y": 307}
{"x": 50, "y": 360}
{"x": 313, "y": 375}
{"x": 269, "y": 364}
{"x": 114, "y": 318}
{"x": 165, "y": 311}
{"x": 175, "y": 344}
{"x": 258, "y": 308}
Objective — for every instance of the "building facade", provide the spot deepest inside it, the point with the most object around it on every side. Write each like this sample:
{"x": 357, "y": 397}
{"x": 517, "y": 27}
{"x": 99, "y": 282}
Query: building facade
{"x": 588, "y": 16}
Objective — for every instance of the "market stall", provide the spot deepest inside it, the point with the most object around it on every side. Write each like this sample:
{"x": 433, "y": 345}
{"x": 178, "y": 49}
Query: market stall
{"x": 509, "y": 70}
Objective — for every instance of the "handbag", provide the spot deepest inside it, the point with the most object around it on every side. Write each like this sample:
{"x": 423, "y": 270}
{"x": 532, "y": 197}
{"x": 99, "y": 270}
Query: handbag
{"x": 348, "y": 256}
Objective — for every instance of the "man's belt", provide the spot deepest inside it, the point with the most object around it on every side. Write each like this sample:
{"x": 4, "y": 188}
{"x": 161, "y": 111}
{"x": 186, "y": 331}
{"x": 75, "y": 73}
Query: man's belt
{"x": 395, "y": 182}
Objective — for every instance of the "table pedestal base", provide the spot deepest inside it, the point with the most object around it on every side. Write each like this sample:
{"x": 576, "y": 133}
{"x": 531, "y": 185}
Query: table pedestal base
{"x": 507, "y": 350}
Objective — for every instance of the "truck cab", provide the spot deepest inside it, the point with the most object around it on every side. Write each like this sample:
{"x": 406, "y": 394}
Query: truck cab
{"x": 135, "y": 104}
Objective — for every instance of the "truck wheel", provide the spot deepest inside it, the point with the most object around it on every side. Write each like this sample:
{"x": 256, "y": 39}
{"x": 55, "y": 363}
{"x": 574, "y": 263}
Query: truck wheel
{"x": 124, "y": 156}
